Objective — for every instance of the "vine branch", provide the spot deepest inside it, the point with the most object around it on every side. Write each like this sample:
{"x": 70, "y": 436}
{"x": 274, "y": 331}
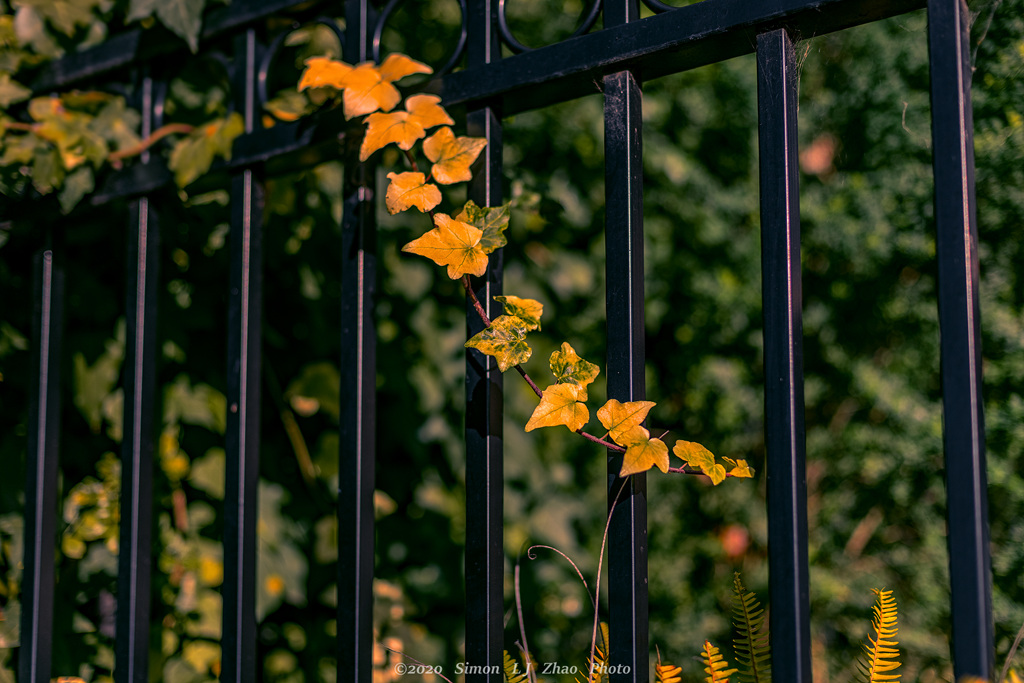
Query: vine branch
{"x": 115, "y": 158}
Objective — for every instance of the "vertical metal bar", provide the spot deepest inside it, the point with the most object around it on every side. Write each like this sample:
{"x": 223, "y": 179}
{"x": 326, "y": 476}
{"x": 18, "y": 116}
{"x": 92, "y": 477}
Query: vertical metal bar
{"x": 960, "y": 325}
{"x": 131, "y": 647}
{"x": 777, "y": 74}
{"x": 627, "y": 535}
{"x": 242, "y": 444}
{"x": 41, "y": 467}
{"x": 134, "y": 565}
{"x": 358, "y": 391}
{"x": 485, "y": 557}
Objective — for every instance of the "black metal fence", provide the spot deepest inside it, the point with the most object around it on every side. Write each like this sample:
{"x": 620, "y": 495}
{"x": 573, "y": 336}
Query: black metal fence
{"x": 621, "y": 53}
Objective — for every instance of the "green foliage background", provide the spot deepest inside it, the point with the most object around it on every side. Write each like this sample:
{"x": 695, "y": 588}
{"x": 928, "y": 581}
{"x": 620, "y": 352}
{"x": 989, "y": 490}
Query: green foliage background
{"x": 876, "y": 493}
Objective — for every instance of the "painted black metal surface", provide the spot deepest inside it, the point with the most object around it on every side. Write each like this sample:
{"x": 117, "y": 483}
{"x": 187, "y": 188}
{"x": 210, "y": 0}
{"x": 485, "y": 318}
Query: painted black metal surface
{"x": 960, "y": 325}
{"x": 485, "y": 552}
{"x": 359, "y": 385}
{"x": 41, "y": 471}
{"x": 777, "y": 80}
{"x": 624, "y": 285}
{"x": 134, "y": 568}
{"x": 242, "y": 438}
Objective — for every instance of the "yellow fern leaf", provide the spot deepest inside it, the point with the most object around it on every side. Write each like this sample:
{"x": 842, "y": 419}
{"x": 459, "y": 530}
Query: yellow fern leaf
{"x": 666, "y": 673}
{"x": 513, "y": 674}
{"x": 880, "y": 653}
{"x": 715, "y": 665}
{"x": 596, "y": 673}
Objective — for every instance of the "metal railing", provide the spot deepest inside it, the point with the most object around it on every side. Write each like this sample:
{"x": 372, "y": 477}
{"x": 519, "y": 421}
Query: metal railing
{"x": 620, "y": 51}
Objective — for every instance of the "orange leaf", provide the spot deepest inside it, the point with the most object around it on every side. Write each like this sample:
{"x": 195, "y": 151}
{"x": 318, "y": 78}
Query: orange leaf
{"x": 454, "y": 244}
{"x": 452, "y": 156}
{"x": 558, "y": 406}
{"x": 398, "y": 66}
{"x": 644, "y": 453}
{"x": 324, "y": 72}
{"x": 427, "y": 111}
{"x": 383, "y": 129}
{"x": 366, "y": 91}
{"x": 620, "y": 418}
{"x": 411, "y": 189}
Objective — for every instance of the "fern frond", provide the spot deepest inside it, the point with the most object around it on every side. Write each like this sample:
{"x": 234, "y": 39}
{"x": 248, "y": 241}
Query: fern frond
{"x": 512, "y": 672}
{"x": 881, "y": 655}
{"x": 596, "y": 672}
{"x": 751, "y": 643}
{"x": 715, "y": 665}
{"x": 666, "y": 673}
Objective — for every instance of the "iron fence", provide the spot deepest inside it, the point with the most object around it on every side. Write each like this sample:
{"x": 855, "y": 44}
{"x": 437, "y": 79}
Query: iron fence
{"x": 620, "y": 54}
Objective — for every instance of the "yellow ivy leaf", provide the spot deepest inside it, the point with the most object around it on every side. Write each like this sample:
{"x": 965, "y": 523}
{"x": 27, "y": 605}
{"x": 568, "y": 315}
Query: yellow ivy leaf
{"x": 505, "y": 339}
{"x": 528, "y": 310}
{"x": 383, "y": 129}
{"x": 324, "y": 72}
{"x": 411, "y": 189}
{"x": 619, "y": 418}
{"x": 398, "y": 66}
{"x": 365, "y": 91}
{"x": 454, "y": 244}
{"x": 698, "y": 457}
{"x": 452, "y": 156}
{"x": 558, "y": 406}
{"x": 643, "y": 453}
{"x": 569, "y": 368}
{"x": 740, "y": 468}
{"x": 427, "y": 111}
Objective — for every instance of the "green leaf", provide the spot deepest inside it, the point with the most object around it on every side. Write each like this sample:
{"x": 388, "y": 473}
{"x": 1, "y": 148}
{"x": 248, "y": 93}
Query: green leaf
{"x": 47, "y": 171}
{"x": 527, "y": 310}
{"x": 193, "y": 155}
{"x": 505, "y": 339}
{"x": 569, "y": 368}
{"x": 11, "y": 91}
{"x": 141, "y": 9}
{"x": 199, "y": 405}
{"x": 183, "y": 17}
{"x": 318, "y": 387}
{"x": 207, "y": 473}
{"x": 491, "y": 220}
{"x": 94, "y": 382}
{"x": 76, "y": 186}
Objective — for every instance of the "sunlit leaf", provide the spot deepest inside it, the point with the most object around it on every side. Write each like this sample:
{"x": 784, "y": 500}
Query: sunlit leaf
{"x": 397, "y": 66}
{"x": 505, "y": 339}
{"x": 383, "y": 129}
{"x": 643, "y": 453}
{"x": 454, "y": 244}
{"x": 491, "y": 219}
{"x": 569, "y": 368}
{"x": 427, "y": 111}
{"x": 365, "y": 91}
{"x": 618, "y": 418}
{"x": 324, "y": 72}
{"x": 528, "y": 310}
{"x": 452, "y": 156}
{"x": 740, "y": 468}
{"x": 698, "y": 457}
{"x": 411, "y": 189}
{"x": 559, "y": 406}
